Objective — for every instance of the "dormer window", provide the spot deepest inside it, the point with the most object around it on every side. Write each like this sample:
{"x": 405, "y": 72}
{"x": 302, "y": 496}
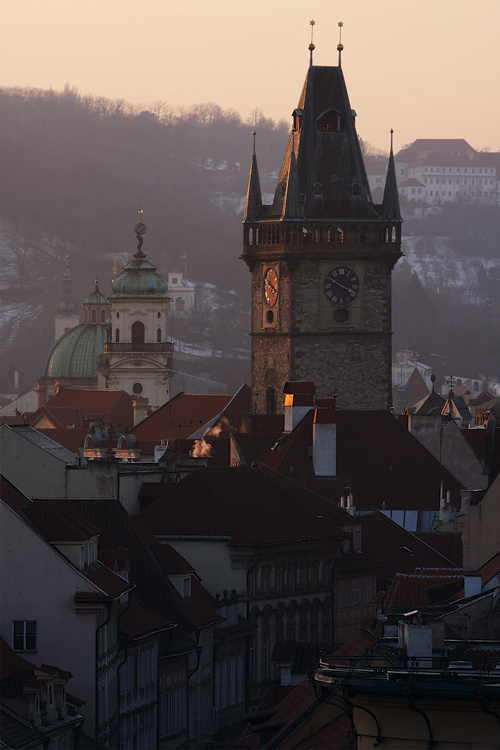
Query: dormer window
{"x": 331, "y": 122}
{"x": 297, "y": 119}
{"x": 186, "y": 586}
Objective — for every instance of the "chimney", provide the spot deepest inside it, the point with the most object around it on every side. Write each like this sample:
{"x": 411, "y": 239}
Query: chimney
{"x": 140, "y": 408}
{"x": 299, "y": 399}
{"x": 325, "y": 438}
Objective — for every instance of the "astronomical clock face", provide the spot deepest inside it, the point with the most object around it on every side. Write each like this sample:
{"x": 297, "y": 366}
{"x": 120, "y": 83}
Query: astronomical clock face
{"x": 341, "y": 285}
{"x": 271, "y": 287}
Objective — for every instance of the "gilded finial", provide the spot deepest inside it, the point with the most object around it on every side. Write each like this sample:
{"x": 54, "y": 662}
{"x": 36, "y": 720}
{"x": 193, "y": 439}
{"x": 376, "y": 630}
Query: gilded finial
{"x": 115, "y": 269}
{"x": 340, "y": 46}
{"x": 97, "y": 281}
{"x": 311, "y": 46}
{"x": 392, "y": 133}
{"x": 254, "y": 133}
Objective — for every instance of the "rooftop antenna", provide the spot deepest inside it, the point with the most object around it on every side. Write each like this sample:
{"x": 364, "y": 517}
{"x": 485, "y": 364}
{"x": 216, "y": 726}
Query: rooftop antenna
{"x": 340, "y": 46}
{"x": 311, "y": 46}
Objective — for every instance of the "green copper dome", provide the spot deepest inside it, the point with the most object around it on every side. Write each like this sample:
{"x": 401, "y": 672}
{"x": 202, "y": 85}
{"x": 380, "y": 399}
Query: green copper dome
{"x": 139, "y": 279}
{"x": 74, "y": 354}
{"x": 96, "y": 298}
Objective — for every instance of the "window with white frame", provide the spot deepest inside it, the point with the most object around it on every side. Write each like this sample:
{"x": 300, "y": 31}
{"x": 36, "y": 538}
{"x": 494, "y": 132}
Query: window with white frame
{"x": 24, "y": 635}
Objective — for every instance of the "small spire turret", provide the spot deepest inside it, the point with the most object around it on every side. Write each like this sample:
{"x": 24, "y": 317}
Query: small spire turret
{"x": 390, "y": 203}
{"x": 311, "y": 46}
{"x": 340, "y": 46}
{"x": 254, "y": 195}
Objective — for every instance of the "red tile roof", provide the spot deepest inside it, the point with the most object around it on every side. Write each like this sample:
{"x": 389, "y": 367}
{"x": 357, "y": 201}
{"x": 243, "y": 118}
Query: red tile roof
{"x": 380, "y": 461}
{"x": 10, "y": 662}
{"x": 388, "y": 548}
{"x": 13, "y": 497}
{"x": 59, "y": 522}
{"x": 138, "y": 621}
{"x": 181, "y": 416}
{"x": 411, "y": 591}
{"x": 336, "y": 734}
{"x": 490, "y": 569}
{"x": 449, "y": 545}
{"x": 171, "y": 561}
{"x": 114, "y": 405}
{"x": 246, "y": 505}
{"x": 152, "y": 585}
{"x": 111, "y": 583}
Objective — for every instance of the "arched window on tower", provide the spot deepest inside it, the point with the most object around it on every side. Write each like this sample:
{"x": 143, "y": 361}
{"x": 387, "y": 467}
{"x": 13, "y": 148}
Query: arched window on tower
{"x": 158, "y": 335}
{"x": 138, "y": 332}
{"x": 117, "y": 335}
{"x": 103, "y": 316}
{"x": 93, "y": 316}
{"x": 86, "y": 316}
{"x": 331, "y": 122}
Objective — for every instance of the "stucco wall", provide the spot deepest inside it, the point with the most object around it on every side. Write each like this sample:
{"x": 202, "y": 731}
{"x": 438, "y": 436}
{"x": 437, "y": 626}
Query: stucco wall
{"x": 38, "y": 584}
{"x": 212, "y": 561}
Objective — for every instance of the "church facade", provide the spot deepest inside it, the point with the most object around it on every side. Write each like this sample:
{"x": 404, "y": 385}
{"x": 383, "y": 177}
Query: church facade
{"x": 321, "y": 257}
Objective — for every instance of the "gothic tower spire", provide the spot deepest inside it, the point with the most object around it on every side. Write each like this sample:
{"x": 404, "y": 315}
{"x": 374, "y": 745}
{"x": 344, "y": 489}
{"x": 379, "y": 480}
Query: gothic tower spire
{"x": 321, "y": 257}
{"x": 390, "y": 203}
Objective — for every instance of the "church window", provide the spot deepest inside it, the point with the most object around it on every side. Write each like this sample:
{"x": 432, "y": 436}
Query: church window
{"x": 331, "y": 122}
{"x": 174, "y": 282}
{"x": 103, "y": 316}
{"x": 86, "y": 316}
{"x": 158, "y": 335}
{"x": 318, "y": 190}
{"x": 340, "y": 234}
{"x": 117, "y": 315}
{"x": 138, "y": 332}
{"x": 93, "y": 316}
{"x": 117, "y": 335}
{"x": 137, "y": 388}
{"x": 158, "y": 315}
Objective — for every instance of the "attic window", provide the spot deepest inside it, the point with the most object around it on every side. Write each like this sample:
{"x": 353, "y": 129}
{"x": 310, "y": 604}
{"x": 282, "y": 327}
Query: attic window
{"x": 318, "y": 190}
{"x": 331, "y": 122}
{"x": 186, "y": 586}
{"x": 297, "y": 118}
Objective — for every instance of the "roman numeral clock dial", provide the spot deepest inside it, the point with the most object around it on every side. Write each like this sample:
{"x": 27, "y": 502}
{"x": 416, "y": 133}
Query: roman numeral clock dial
{"x": 341, "y": 285}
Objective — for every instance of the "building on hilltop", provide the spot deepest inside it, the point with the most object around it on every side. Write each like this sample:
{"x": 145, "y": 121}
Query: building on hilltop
{"x": 181, "y": 291}
{"x": 440, "y": 170}
{"x": 321, "y": 257}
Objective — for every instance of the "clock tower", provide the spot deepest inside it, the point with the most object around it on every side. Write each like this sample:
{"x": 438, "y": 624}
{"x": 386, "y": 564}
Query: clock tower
{"x": 321, "y": 257}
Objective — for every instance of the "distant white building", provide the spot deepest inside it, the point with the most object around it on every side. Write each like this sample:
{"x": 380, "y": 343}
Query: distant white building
{"x": 181, "y": 292}
{"x": 438, "y": 170}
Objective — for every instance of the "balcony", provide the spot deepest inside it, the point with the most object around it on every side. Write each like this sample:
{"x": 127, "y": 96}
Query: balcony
{"x": 115, "y": 348}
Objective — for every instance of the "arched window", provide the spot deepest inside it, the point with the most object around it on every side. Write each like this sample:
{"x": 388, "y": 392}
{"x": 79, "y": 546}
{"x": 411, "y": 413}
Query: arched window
{"x": 94, "y": 316}
{"x": 331, "y": 122}
{"x": 103, "y": 316}
{"x": 158, "y": 335}
{"x": 86, "y": 316}
{"x": 180, "y": 304}
{"x": 117, "y": 335}
{"x": 138, "y": 333}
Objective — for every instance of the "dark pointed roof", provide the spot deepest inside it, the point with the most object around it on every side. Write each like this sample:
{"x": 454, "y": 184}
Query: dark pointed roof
{"x": 328, "y": 159}
{"x": 390, "y": 204}
{"x": 253, "y": 203}
{"x": 291, "y": 201}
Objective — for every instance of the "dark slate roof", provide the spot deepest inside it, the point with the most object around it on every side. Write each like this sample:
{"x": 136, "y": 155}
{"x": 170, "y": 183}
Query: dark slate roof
{"x": 433, "y": 145}
{"x": 244, "y": 505}
{"x": 152, "y": 585}
{"x": 380, "y": 460}
{"x": 431, "y": 404}
{"x": 138, "y": 620}
{"x": 10, "y": 495}
{"x": 44, "y": 442}
{"x": 254, "y": 196}
{"x": 388, "y": 548}
{"x": 332, "y": 159}
{"x": 447, "y": 544}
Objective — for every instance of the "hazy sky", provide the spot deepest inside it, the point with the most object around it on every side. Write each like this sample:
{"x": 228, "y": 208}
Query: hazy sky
{"x": 427, "y": 68}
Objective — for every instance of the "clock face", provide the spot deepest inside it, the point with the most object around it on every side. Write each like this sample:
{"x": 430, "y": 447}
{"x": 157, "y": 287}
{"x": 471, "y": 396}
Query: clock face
{"x": 341, "y": 285}
{"x": 271, "y": 286}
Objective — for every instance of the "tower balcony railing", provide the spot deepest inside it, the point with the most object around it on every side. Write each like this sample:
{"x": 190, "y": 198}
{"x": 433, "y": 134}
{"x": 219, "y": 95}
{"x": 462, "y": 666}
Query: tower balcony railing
{"x": 114, "y": 347}
{"x": 273, "y": 233}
